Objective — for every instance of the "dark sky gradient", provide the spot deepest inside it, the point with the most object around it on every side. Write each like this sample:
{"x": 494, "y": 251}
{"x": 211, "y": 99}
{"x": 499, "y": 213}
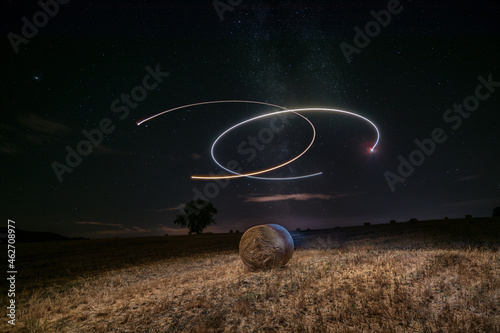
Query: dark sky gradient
{"x": 65, "y": 79}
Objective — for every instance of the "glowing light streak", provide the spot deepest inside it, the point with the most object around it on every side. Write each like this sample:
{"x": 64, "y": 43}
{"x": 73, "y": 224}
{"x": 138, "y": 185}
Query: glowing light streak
{"x": 139, "y": 122}
{"x": 252, "y": 174}
{"x": 249, "y": 175}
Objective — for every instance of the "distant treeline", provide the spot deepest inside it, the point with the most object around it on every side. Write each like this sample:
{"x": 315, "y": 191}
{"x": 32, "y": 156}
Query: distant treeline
{"x": 24, "y": 236}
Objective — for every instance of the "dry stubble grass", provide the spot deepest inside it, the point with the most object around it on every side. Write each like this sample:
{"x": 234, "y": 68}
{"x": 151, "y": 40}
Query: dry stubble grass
{"x": 349, "y": 289}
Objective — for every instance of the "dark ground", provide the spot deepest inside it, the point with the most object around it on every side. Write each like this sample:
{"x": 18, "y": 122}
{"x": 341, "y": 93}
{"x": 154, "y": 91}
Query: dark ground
{"x": 44, "y": 264}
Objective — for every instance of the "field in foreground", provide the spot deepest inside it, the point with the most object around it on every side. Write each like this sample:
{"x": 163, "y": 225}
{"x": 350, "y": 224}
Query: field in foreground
{"x": 375, "y": 279}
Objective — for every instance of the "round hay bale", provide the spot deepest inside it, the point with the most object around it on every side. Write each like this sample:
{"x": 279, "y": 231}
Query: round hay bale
{"x": 268, "y": 245}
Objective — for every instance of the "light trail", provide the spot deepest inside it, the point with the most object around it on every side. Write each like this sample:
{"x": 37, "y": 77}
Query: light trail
{"x": 253, "y": 174}
{"x": 142, "y": 121}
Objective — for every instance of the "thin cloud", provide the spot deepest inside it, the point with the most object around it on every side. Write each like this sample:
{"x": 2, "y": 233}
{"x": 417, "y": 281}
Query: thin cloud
{"x": 33, "y": 129}
{"x": 179, "y": 207}
{"x": 467, "y": 178}
{"x": 171, "y": 231}
{"x": 298, "y": 197}
{"x": 100, "y": 223}
{"x": 8, "y": 148}
{"x": 41, "y": 125}
{"x": 132, "y": 231}
{"x": 136, "y": 231}
{"x": 472, "y": 203}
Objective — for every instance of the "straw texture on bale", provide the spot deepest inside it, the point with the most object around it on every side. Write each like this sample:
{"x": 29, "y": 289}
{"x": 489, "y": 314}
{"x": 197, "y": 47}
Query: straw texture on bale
{"x": 268, "y": 245}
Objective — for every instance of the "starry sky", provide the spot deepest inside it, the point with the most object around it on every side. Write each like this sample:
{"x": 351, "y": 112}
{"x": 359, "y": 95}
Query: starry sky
{"x": 79, "y": 70}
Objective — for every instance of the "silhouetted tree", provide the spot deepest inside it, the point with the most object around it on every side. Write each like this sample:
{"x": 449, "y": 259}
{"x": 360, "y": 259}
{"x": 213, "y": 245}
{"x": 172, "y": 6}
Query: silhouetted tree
{"x": 197, "y": 216}
{"x": 496, "y": 211}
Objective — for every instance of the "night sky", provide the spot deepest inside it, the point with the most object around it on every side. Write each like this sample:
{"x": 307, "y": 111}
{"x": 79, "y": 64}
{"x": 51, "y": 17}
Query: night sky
{"x": 70, "y": 78}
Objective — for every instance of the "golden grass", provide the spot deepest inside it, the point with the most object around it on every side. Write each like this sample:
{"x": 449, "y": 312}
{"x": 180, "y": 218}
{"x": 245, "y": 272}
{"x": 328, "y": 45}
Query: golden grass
{"x": 361, "y": 281}
{"x": 338, "y": 290}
